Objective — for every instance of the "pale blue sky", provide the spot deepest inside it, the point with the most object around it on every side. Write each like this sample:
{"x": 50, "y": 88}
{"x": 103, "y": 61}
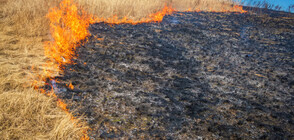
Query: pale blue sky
{"x": 283, "y": 3}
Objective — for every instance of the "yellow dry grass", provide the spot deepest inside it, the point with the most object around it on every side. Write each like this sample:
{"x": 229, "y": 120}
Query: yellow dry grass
{"x": 136, "y": 9}
{"x": 203, "y": 5}
{"x": 30, "y": 115}
{"x": 24, "y": 112}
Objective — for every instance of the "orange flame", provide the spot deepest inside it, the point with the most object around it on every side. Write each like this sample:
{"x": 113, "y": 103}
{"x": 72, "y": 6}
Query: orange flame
{"x": 238, "y": 8}
{"x": 70, "y": 86}
{"x": 67, "y": 29}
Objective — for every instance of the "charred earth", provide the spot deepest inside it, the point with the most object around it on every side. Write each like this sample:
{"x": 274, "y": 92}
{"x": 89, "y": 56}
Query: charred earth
{"x": 192, "y": 76}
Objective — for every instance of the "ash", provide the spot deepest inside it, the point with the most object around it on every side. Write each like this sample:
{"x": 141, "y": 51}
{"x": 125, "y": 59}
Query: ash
{"x": 193, "y": 76}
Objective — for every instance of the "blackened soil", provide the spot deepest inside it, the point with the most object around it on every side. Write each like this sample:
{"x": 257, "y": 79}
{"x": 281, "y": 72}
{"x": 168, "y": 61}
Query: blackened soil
{"x": 193, "y": 76}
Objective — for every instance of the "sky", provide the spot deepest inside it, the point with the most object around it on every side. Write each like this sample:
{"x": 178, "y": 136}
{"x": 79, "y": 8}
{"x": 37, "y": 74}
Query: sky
{"x": 283, "y": 3}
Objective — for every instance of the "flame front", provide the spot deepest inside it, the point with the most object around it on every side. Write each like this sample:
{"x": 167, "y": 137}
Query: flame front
{"x": 69, "y": 25}
{"x": 67, "y": 28}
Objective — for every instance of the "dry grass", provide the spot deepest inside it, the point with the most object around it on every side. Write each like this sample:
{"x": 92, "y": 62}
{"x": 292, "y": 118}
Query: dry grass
{"x": 24, "y": 113}
{"x": 136, "y": 9}
{"x": 203, "y": 5}
{"x": 30, "y": 115}
{"x": 26, "y": 17}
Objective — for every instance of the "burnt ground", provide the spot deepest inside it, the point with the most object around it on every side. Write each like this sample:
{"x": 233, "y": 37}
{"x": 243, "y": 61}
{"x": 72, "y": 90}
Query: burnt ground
{"x": 192, "y": 76}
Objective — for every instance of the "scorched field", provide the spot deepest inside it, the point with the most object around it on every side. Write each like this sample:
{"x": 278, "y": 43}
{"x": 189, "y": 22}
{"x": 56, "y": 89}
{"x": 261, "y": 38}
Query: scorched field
{"x": 145, "y": 70}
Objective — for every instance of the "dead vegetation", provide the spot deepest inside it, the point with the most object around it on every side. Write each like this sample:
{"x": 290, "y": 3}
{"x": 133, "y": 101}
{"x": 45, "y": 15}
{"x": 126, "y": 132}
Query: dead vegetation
{"x": 25, "y": 114}
{"x": 30, "y": 115}
{"x": 136, "y": 9}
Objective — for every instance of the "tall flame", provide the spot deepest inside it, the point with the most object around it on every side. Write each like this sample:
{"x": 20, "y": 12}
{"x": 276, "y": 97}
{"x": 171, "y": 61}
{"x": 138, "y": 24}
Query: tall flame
{"x": 67, "y": 28}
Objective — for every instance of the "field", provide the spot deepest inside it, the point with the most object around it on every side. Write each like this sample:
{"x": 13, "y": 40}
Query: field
{"x": 26, "y": 113}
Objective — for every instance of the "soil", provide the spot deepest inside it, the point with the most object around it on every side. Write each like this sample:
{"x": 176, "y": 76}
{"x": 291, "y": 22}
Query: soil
{"x": 195, "y": 75}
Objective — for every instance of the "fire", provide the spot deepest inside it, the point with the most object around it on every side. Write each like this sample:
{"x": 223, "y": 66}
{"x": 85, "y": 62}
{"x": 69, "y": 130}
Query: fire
{"x": 67, "y": 28}
{"x": 62, "y": 105}
{"x": 70, "y": 86}
{"x": 238, "y": 8}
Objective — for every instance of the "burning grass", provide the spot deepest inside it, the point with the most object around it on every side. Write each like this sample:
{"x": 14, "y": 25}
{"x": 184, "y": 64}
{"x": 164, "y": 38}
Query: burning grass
{"x": 24, "y": 27}
{"x": 24, "y": 113}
